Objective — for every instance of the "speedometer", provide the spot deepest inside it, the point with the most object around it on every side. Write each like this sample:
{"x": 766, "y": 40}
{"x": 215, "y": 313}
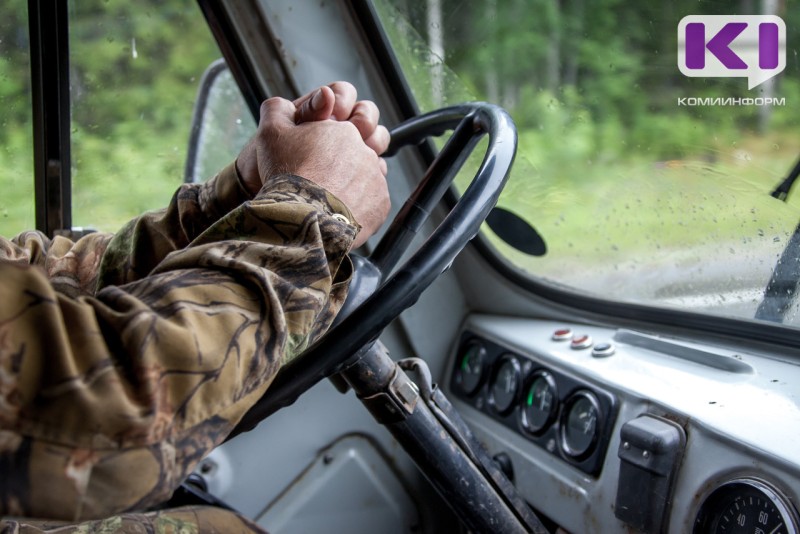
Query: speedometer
{"x": 746, "y": 506}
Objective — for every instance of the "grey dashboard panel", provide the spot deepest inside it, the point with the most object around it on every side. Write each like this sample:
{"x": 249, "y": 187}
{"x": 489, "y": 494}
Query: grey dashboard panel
{"x": 739, "y": 410}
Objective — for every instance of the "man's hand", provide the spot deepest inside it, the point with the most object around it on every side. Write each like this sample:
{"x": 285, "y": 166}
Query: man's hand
{"x": 329, "y": 153}
{"x": 337, "y": 101}
{"x": 315, "y": 139}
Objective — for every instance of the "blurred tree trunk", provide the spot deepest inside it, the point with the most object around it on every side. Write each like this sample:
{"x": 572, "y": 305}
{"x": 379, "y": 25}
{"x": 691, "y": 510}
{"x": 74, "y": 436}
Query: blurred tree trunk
{"x": 572, "y": 53}
{"x": 553, "y": 75}
{"x": 436, "y": 46}
{"x": 491, "y": 76}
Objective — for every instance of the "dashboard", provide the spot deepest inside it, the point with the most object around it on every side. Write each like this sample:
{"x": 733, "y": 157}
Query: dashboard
{"x": 608, "y": 430}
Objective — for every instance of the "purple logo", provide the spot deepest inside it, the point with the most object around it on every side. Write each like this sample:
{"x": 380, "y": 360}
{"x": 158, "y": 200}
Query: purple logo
{"x": 722, "y": 46}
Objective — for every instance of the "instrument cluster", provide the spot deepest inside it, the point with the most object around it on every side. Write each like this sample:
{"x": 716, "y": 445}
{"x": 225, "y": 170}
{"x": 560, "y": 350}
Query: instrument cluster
{"x": 563, "y": 415}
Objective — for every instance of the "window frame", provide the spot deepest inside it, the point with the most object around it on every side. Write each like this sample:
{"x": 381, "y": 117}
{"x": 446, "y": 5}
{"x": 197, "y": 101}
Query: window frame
{"x": 49, "y": 58}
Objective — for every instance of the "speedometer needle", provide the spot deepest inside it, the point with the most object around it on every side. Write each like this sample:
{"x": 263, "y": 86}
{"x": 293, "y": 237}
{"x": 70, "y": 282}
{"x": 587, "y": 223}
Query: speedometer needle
{"x": 774, "y": 530}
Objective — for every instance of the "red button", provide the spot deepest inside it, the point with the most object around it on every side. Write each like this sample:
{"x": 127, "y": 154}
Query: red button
{"x": 562, "y": 334}
{"x": 581, "y": 342}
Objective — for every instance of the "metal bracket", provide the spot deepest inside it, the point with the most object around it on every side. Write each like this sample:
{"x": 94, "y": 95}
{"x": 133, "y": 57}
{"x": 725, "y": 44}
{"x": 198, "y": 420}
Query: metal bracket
{"x": 397, "y": 402}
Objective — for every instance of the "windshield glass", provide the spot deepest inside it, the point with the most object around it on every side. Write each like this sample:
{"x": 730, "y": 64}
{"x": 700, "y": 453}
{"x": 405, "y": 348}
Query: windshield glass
{"x": 649, "y": 143}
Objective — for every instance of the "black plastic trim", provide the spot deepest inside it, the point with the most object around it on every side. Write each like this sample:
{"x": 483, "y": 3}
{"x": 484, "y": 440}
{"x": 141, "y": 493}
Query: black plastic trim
{"x": 233, "y": 51}
{"x": 389, "y": 67}
{"x": 50, "y": 97}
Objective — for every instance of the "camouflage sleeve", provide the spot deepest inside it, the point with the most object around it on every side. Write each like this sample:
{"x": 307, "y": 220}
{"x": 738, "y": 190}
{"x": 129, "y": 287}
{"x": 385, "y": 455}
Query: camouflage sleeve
{"x": 74, "y": 268}
{"x": 107, "y": 401}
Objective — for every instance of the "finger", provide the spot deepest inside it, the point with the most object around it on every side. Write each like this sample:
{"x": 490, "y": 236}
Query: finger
{"x": 303, "y": 99}
{"x": 365, "y": 116}
{"x": 379, "y": 140}
{"x": 384, "y": 167}
{"x": 315, "y": 106}
{"x": 346, "y": 95}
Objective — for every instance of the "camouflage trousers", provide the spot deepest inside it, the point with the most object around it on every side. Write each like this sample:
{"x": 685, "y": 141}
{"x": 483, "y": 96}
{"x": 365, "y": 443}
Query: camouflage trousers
{"x": 184, "y": 520}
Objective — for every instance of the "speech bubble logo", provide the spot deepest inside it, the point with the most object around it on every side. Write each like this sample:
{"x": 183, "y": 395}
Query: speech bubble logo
{"x": 732, "y": 46}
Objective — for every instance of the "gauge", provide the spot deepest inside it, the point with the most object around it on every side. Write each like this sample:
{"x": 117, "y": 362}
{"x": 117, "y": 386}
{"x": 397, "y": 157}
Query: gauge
{"x": 505, "y": 384}
{"x": 471, "y": 367}
{"x": 539, "y": 403}
{"x": 580, "y": 424}
{"x": 746, "y": 505}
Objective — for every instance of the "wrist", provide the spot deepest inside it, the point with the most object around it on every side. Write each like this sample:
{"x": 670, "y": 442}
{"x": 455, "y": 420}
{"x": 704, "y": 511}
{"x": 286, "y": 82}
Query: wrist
{"x": 247, "y": 168}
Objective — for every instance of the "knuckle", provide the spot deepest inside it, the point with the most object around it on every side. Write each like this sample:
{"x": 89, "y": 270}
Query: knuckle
{"x": 272, "y": 104}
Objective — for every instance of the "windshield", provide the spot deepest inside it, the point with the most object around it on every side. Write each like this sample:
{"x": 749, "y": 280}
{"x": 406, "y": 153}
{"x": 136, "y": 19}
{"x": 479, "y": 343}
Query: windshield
{"x": 647, "y": 154}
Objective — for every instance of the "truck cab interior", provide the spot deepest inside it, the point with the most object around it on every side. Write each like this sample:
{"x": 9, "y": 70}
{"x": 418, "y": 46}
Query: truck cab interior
{"x": 581, "y": 315}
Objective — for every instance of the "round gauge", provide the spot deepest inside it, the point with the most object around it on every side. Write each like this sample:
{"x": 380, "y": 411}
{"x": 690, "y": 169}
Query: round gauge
{"x": 505, "y": 384}
{"x": 539, "y": 402}
{"x": 580, "y": 424}
{"x": 471, "y": 366}
{"x": 745, "y": 506}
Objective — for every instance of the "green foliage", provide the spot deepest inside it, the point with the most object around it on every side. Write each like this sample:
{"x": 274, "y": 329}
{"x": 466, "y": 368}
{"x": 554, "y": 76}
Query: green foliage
{"x": 600, "y": 75}
{"x": 135, "y": 68}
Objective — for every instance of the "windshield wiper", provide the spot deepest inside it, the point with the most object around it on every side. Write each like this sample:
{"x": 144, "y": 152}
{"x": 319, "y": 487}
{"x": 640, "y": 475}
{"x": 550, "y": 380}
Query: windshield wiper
{"x": 782, "y": 191}
{"x": 782, "y": 287}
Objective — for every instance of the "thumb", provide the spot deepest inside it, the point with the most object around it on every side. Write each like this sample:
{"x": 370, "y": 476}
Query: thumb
{"x": 317, "y": 106}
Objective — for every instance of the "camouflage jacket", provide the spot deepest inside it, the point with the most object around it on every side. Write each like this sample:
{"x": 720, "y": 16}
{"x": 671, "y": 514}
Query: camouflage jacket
{"x": 125, "y": 359}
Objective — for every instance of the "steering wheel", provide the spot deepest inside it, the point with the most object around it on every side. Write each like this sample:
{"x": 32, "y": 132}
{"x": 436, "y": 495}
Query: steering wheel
{"x": 379, "y": 290}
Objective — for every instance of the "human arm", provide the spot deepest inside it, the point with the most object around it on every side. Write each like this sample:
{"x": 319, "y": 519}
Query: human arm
{"x": 108, "y": 401}
{"x": 74, "y": 267}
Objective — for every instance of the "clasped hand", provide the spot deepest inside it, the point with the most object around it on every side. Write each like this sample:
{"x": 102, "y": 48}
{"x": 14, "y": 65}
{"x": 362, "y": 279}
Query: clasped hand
{"x": 329, "y": 138}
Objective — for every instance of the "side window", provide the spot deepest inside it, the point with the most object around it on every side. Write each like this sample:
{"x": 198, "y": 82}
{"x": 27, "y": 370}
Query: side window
{"x": 134, "y": 80}
{"x": 16, "y": 134}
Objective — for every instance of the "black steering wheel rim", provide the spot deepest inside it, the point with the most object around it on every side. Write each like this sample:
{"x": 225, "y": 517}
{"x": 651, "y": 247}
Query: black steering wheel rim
{"x": 359, "y": 325}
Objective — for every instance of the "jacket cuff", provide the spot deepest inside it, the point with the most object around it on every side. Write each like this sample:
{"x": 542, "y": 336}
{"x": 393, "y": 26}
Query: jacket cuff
{"x": 290, "y": 187}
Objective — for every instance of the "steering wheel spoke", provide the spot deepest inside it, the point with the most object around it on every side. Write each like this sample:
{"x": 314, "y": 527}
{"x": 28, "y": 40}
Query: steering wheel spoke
{"x": 381, "y": 289}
